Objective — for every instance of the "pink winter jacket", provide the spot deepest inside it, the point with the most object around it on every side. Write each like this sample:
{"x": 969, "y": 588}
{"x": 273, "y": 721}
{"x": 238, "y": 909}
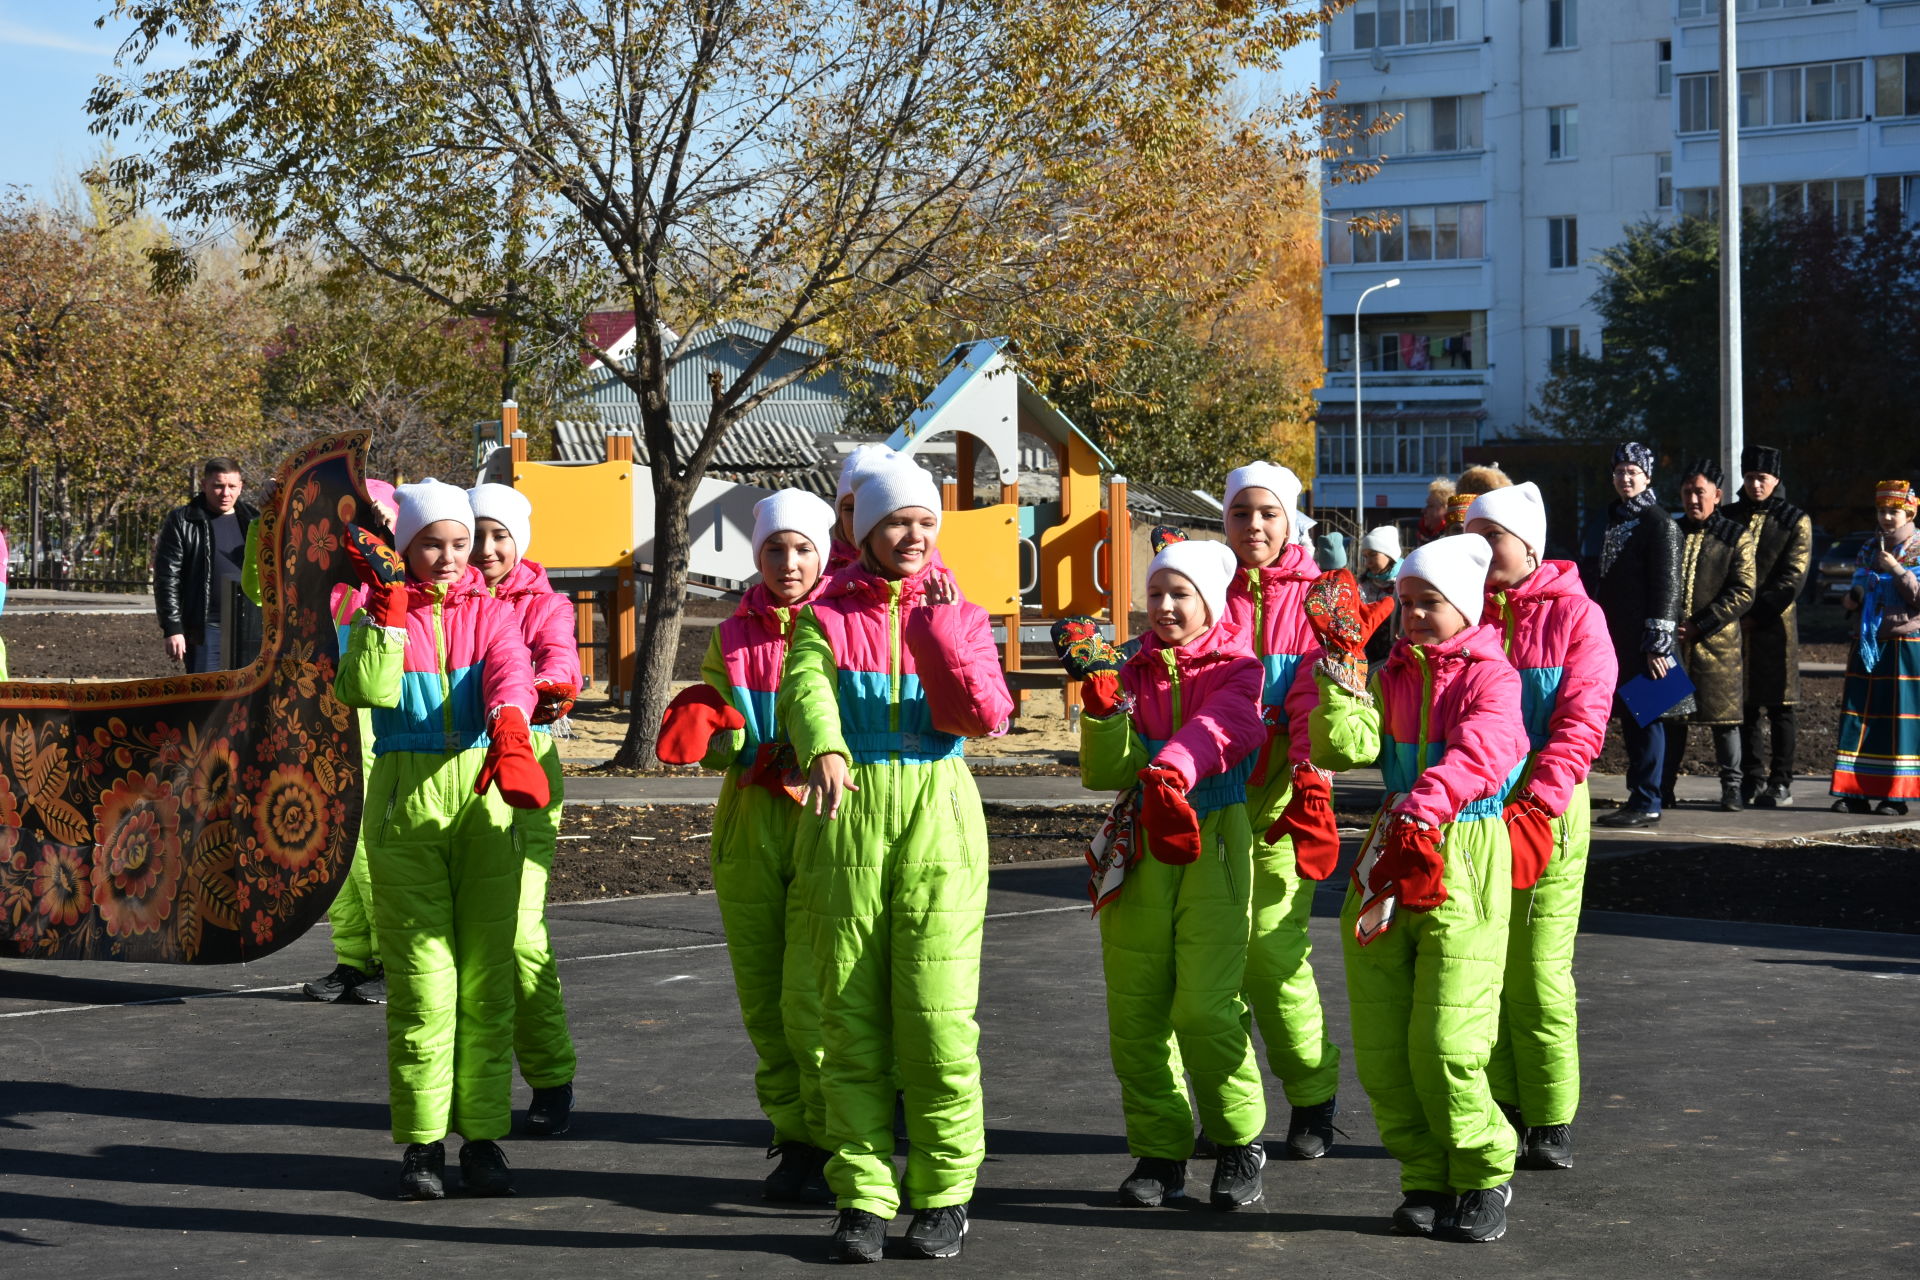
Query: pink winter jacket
{"x": 1556, "y": 637}
{"x": 893, "y": 702}
{"x": 1444, "y": 726}
{"x": 546, "y": 622}
{"x": 1197, "y": 708}
{"x": 1269, "y": 607}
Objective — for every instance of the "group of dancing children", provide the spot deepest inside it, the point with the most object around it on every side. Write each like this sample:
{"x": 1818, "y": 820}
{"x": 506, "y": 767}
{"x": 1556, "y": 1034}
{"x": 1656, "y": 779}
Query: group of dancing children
{"x": 849, "y": 849}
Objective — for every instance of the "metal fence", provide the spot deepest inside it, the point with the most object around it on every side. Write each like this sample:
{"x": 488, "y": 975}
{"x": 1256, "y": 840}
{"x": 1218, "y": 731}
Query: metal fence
{"x": 44, "y": 536}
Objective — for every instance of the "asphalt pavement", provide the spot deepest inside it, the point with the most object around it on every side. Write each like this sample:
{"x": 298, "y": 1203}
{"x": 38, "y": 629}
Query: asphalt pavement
{"x": 1749, "y": 1110}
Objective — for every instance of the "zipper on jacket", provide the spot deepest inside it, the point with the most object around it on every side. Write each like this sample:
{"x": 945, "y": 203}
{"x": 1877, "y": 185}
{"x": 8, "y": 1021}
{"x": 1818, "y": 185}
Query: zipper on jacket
{"x": 1507, "y": 624}
{"x": 894, "y": 663}
{"x": 440, "y": 663}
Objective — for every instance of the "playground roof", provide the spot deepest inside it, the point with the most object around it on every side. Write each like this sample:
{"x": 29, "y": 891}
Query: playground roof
{"x": 971, "y": 361}
{"x": 753, "y": 445}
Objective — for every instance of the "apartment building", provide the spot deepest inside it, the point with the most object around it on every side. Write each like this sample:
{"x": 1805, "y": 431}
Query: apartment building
{"x": 1531, "y": 133}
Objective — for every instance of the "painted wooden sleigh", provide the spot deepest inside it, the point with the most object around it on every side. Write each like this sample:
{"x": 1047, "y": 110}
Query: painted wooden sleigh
{"x": 200, "y": 819}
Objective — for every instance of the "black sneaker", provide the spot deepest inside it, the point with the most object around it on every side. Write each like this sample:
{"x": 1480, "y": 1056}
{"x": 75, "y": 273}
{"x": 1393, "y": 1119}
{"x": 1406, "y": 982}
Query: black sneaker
{"x": 936, "y": 1233}
{"x": 550, "y": 1112}
{"x": 1627, "y": 816}
{"x": 1154, "y": 1182}
{"x": 1479, "y": 1218}
{"x": 1730, "y": 798}
{"x": 1236, "y": 1176}
{"x": 858, "y": 1236}
{"x": 1777, "y": 796}
{"x": 1547, "y": 1146}
{"x": 331, "y": 988}
{"x": 1751, "y": 789}
{"x": 372, "y": 991}
{"x": 798, "y": 1178}
{"x": 1420, "y": 1210}
{"x": 483, "y": 1169}
{"x": 1310, "y": 1130}
{"x": 423, "y": 1171}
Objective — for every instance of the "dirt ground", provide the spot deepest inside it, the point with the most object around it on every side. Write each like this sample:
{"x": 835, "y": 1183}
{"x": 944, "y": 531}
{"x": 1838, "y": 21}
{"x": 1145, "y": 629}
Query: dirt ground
{"x": 84, "y": 646}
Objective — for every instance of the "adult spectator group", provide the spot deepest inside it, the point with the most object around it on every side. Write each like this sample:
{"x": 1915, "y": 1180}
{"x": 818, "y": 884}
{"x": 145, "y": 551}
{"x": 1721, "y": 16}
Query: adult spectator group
{"x": 196, "y": 564}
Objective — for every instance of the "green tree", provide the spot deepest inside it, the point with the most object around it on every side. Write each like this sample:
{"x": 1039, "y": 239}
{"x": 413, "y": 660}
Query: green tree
{"x": 1831, "y": 321}
{"x": 861, "y": 174}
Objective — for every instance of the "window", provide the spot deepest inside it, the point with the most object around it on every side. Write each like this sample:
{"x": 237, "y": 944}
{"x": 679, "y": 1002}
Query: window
{"x": 1663, "y": 180}
{"x": 1419, "y": 446}
{"x": 1700, "y": 103}
{"x": 1563, "y": 244}
{"x": 1562, "y": 341}
{"x": 1425, "y": 126}
{"x": 1384, "y": 24}
{"x": 1663, "y": 68}
{"x": 1897, "y": 198}
{"x": 1563, "y": 24}
{"x": 1844, "y": 200}
{"x": 1700, "y": 202}
{"x": 1421, "y": 233}
{"x": 1896, "y": 86}
{"x": 1563, "y": 133}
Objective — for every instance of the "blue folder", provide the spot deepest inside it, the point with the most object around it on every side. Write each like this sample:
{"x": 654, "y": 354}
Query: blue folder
{"x": 1649, "y": 699}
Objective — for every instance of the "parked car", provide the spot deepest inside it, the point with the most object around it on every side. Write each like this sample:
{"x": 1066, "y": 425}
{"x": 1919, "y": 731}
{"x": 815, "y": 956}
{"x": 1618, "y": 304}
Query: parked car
{"x": 1834, "y": 571}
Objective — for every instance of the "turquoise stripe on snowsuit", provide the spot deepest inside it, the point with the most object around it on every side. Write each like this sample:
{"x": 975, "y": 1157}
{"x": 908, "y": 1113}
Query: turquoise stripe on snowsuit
{"x": 1279, "y": 985}
{"x": 1443, "y": 726}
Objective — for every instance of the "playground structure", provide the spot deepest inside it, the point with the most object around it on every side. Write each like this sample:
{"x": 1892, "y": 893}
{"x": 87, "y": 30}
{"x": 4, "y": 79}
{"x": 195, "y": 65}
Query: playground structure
{"x": 1027, "y": 565}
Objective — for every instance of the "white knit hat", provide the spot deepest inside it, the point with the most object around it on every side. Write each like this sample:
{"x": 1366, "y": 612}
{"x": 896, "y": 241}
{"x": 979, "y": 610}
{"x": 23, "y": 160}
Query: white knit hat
{"x": 1385, "y": 540}
{"x": 1457, "y": 567}
{"x": 1209, "y": 566}
{"x": 428, "y": 502}
{"x": 884, "y": 486}
{"x": 859, "y": 460}
{"x": 509, "y": 506}
{"x": 795, "y": 511}
{"x": 1281, "y": 483}
{"x": 1519, "y": 510}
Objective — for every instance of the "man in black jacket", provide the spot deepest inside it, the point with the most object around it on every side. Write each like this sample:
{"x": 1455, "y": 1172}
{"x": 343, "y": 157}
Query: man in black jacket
{"x": 1638, "y": 589}
{"x": 1783, "y": 551}
{"x": 201, "y": 550}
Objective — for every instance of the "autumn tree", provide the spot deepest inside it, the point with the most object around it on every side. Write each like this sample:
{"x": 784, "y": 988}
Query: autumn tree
{"x": 113, "y": 389}
{"x": 859, "y": 174}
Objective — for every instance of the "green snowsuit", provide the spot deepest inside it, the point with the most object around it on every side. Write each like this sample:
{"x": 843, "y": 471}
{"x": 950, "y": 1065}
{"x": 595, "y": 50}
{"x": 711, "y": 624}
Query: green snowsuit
{"x": 351, "y": 914}
{"x": 541, "y": 1043}
{"x": 445, "y": 863}
{"x": 1173, "y": 943}
{"x": 1443, "y": 723}
{"x": 754, "y": 876}
{"x": 895, "y": 890}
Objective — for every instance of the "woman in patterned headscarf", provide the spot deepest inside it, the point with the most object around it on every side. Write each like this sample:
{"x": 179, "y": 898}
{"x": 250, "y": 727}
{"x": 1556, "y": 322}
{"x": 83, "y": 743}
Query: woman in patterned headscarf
{"x": 1638, "y": 588}
{"x": 1879, "y": 756}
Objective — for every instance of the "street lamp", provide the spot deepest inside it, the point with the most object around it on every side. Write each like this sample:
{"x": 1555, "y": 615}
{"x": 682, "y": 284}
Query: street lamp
{"x": 1359, "y": 455}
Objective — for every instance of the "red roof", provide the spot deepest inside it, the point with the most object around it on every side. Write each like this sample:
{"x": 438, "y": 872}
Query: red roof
{"x": 604, "y": 328}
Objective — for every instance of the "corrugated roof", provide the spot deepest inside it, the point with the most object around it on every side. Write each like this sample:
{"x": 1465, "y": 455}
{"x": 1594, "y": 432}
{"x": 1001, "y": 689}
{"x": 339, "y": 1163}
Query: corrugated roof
{"x": 1167, "y": 500}
{"x": 748, "y": 446}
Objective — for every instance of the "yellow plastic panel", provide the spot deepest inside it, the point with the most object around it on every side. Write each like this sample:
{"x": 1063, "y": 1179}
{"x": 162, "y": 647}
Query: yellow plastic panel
{"x": 1067, "y": 583}
{"x": 982, "y": 547}
{"x": 582, "y": 516}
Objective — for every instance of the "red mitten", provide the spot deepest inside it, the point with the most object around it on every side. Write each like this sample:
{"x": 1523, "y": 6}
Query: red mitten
{"x": 1530, "y": 829}
{"x": 1333, "y": 611}
{"x": 385, "y": 573}
{"x": 1100, "y": 695}
{"x": 1308, "y": 818}
{"x": 1173, "y": 829}
{"x": 555, "y": 700}
{"x": 511, "y": 764}
{"x": 691, "y": 720}
{"x": 960, "y": 692}
{"x": 1373, "y": 615}
{"x": 1412, "y": 860}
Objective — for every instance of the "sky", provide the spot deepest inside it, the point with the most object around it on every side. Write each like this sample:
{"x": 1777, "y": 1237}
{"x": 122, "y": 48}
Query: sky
{"x": 51, "y": 55}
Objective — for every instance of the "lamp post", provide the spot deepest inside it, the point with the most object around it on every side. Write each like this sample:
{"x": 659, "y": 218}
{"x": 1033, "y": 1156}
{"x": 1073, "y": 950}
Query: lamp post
{"x": 1359, "y": 454}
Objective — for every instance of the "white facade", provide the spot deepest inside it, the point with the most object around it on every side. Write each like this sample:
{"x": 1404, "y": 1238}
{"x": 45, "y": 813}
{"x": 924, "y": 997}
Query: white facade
{"x": 1533, "y": 132}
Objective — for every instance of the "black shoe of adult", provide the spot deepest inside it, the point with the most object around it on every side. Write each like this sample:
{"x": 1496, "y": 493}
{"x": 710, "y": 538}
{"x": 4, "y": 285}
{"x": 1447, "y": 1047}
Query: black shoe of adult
{"x": 1851, "y": 804}
{"x": 372, "y": 991}
{"x": 1777, "y": 796}
{"x": 423, "y": 1171}
{"x": 483, "y": 1169}
{"x": 1479, "y": 1218}
{"x": 1154, "y": 1182}
{"x": 550, "y": 1113}
{"x": 1751, "y": 789}
{"x": 1547, "y": 1146}
{"x": 858, "y": 1236}
{"x": 1730, "y": 798}
{"x": 1310, "y": 1130}
{"x": 1420, "y": 1210}
{"x": 1891, "y": 808}
{"x": 1236, "y": 1176}
{"x": 335, "y": 985}
{"x": 797, "y": 1178}
{"x": 936, "y": 1233}
{"x": 1627, "y": 816}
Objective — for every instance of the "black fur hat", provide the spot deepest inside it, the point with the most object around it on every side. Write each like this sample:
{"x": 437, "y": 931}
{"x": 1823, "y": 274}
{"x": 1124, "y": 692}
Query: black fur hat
{"x": 1758, "y": 457}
